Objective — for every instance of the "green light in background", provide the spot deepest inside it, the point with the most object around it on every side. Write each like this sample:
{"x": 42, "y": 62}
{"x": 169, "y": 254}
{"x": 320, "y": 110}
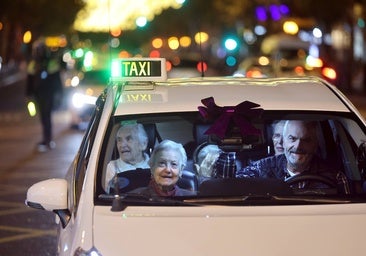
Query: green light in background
{"x": 361, "y": 23}
{"x": 231, "y": 61}
{"x": 79, "y": 53}
{"x": 88, "y": 60}
{"x": 116, "y": 68}
{"x": 231, "y": 44}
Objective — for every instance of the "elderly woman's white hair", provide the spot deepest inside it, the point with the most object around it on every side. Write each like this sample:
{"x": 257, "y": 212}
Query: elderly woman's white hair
{"x": 169, "y": 145}
{"x": 138, "y": 129}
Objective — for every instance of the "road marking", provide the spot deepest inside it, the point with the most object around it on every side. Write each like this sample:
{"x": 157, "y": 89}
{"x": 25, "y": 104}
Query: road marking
{"x": 25, "y": 233}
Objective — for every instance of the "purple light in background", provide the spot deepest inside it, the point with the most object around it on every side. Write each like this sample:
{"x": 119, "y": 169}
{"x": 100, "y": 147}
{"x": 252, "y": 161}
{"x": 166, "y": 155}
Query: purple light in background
{"x": 261, "y": 14}
{"x": 275, "y": 12}
{"x": 284, "y": 9}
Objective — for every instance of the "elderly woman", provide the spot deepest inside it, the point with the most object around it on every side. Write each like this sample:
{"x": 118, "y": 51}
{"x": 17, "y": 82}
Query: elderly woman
{"x": 131, "y": 144}
{"x": 277, "y": 137}
{"x": 166, "y": 163}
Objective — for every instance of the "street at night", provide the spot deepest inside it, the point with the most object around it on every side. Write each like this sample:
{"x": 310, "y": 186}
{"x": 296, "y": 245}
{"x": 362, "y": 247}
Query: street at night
{"x": 23, "y": 230}
{"x": 182, "y": 122}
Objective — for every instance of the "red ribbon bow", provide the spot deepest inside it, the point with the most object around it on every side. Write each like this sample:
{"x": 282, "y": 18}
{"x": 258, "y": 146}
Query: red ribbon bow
{"x": 224, "y": 115}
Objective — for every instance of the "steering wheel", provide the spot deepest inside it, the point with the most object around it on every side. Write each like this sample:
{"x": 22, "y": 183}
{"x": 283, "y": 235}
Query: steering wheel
{"x": 311, "y": 177}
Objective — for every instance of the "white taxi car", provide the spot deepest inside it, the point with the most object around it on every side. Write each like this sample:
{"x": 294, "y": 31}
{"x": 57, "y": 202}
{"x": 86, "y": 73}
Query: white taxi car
{"x": 227, "y": 215}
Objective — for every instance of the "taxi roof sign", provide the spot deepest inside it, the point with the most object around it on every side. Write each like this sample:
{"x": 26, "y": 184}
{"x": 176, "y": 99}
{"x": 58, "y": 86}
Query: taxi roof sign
{"x": 138, "y": 69}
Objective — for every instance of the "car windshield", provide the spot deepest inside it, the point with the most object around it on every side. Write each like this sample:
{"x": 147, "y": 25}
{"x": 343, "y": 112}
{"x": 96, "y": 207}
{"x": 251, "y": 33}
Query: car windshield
{"x": 239, "y": 166}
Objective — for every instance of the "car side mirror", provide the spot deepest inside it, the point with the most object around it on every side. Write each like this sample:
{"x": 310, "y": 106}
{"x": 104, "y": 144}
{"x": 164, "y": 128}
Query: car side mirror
{"x": 50, "y": 195}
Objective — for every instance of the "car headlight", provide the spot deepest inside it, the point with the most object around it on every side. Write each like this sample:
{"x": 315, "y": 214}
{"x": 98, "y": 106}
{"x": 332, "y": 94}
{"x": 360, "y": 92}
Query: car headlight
{"x": 92, "y": 252}
{"x": 79, "y": 100}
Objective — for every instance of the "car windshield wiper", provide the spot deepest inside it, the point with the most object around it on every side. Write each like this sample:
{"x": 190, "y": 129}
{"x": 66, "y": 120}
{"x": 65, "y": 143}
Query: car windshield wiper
{"x": 268, "y": 199}
{"x": 121, "y": 201}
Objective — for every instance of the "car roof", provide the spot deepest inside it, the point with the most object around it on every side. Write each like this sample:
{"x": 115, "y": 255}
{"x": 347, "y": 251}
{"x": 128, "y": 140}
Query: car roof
{"x": 175, "y": 95}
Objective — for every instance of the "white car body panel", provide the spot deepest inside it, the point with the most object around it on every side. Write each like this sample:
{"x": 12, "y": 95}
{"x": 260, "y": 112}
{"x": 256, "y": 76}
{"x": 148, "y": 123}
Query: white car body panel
{"x": 79, "y": 232}
{"x": 279, "y": 95}
{"x": 218, "y": 230}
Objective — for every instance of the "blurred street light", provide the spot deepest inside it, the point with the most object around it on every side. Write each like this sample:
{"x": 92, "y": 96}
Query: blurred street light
{"x": 27, "y": 37}
{"x": 101, "y": 15}
{"x": 290, "y": 27}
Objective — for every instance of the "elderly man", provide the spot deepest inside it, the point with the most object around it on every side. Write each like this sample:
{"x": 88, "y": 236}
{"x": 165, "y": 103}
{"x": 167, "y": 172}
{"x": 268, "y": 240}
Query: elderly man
{"x": 300, "y": 143}
{"x": 131, "y": 144}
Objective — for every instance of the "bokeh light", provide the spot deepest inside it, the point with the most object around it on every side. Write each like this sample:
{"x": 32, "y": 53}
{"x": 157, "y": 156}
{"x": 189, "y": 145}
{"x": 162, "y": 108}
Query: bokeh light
{"x": 27, "y": 37}
{"x": 231, "y": 61}
{"x": 141, "y": 21}
{"x": 201, "y": 37}
{"x": 157, "y": 43}
{"x": 173, "y": 43}
{"x": 290, "y": 27}
{"x": 116, "y": 32}
{"x": 154, "y": 54}
{"x": 185, "y": 41}
{"x": 101, "y": 15}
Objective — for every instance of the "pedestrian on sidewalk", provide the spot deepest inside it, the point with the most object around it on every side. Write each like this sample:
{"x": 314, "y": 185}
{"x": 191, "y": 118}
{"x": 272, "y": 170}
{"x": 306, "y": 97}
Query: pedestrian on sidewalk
{"x": 44, "y": 85}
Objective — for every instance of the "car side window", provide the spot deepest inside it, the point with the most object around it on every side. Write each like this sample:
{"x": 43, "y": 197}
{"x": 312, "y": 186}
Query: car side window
{"x": 84, "y": 154}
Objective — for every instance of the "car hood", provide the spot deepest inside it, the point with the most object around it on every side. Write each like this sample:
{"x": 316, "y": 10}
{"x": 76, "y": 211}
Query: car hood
{"x": 220, "y": 230}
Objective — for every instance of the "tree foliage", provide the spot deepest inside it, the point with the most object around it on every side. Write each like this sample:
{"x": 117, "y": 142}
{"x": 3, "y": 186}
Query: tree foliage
{"x": 41, "y": 16}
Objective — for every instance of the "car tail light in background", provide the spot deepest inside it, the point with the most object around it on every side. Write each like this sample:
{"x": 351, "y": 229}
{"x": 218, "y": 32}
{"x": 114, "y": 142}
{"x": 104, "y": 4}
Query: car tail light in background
{"x": 201, "y": 66}
{"x": 254, "y": 73}
{"x": 329, "y": 73}
{"x": 299, "y": 70}
{"x": 168, "y": 65}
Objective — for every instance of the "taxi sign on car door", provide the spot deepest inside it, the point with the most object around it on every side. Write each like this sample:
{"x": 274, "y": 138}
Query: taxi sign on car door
{"x": 138, "y": 69}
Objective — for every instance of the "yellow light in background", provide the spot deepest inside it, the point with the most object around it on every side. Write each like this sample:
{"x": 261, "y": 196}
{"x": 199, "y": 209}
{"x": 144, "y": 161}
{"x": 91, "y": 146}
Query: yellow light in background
{"x": 314, "y": 62}
{"x": 329, "y": 73}
{"x": 1, "y": 26}
{"x": 100, "y": 15}
{"x": 157, "y": 43}
{"x": 89, "y": 91}
{"x": 31, "y": 108}
{"x": 201, "y": 37}
{"x": 185, "y": 41}
{"x": 56, "y": 41}
{"x": 63, "y": 41}
{"x": 290, "y": 27}
{"x": 27, "y": 37}
{"x": 263, "y": 60}
{"x": 123, "y": 54}
{"x": 173, "y": 43}
{"x": 116, "y": 32}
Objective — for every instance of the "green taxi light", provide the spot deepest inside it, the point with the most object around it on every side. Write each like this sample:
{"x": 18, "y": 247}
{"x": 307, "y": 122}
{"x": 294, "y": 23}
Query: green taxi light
{"x": 138, "y": 69}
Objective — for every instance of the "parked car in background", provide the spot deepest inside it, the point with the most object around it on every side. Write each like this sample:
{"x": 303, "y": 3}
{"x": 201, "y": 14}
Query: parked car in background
{"x": 256, "y": 67}
{"x": 285, "y": 56}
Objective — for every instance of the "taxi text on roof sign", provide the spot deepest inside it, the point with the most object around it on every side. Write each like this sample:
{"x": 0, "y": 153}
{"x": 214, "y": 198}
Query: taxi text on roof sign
{"x": 138, "y": 69}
